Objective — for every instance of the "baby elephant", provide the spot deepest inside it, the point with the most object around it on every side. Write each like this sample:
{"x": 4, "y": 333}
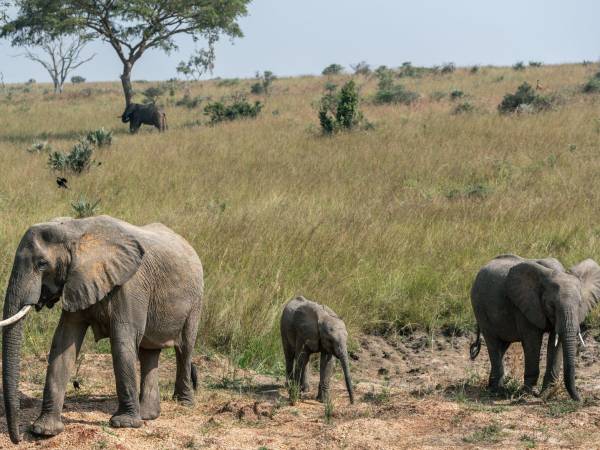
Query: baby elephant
{"x": 306, "y": 328}
{"x": 137, "y": 115}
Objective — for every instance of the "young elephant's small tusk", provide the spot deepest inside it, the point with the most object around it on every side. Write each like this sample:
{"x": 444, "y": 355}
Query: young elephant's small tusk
{"x": 556, "y": 340}
{"x": 18, "y": 316}
{"x": 581, "y": 339}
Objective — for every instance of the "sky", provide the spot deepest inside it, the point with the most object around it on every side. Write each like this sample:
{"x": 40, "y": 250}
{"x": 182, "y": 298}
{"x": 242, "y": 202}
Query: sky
{"x": 298, "y": 37}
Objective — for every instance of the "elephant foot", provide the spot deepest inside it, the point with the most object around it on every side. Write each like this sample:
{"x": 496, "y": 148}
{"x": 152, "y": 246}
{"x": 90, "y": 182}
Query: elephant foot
{"x": 125, "y": 421}
{"x": 149, "y": 412}
{"x": 184, "y": 399}
{"x": 322, "y": 395}
{"x": 531, "y": 390}
{"x": 47, "y": 425}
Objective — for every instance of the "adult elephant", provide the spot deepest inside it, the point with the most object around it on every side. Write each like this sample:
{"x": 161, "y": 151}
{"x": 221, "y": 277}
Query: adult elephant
{"x": 139, "y": 286}
{"x": 137, "y": 115}
{"x": 518, "y": 300}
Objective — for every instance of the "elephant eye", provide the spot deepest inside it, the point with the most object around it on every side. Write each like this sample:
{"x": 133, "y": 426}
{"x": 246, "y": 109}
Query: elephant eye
{"x": 42, "y": 264}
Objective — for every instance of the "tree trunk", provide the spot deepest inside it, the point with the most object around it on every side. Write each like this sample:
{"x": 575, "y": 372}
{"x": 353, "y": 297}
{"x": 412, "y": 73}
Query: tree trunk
{"x": 126, "y": 82}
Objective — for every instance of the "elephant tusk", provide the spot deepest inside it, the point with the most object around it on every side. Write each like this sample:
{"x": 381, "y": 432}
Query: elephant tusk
{"x": 581, "y": 339}
{"x": 556, "y": 340}
{"x": 18, "y": 316}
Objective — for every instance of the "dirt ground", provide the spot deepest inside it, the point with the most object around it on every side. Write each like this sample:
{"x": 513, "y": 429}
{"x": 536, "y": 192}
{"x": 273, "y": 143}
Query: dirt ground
{"x": 417, "y": 391}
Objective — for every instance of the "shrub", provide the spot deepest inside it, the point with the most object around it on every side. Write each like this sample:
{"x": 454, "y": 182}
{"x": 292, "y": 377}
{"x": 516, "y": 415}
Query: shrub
{"x": 535, "y": 64}
{"x": 361, "y": 68}
{"x": 152, "y": 94}
{"x": 39, "y": 147}
{"x": 228, "y": 82}
{"x": 456, "y": 94}
{"x": 99, "y": 137}
{"x": 77, "y": 160}
{"x": 585, "y": 62}
{"x": 76, "y": 79}
{"x": 463, "y": 108}
{"x": 263, "y": 83}
{"x": 190, "y": 102}
{"x": 474, "y": 69}
{"x": 519, "y": 66}
{"x": 410, "y": 71}
{"x": 31, "y": 81}
{"x": 593, "y": 84}
{"x": 448, "y": 68}
{"x": 339, "y": 111}
{"x": 83, "y": 208}
{"x": 333, "y": 69}
{"x": 436, "y": 96}
{"x": 388, "y": 92}
{"x": 526, "y": 95}
{"x": 237, "y": 108}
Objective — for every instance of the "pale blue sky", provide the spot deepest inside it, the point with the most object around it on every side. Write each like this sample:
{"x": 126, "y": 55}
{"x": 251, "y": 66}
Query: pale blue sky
{"x": 293, "y": 37}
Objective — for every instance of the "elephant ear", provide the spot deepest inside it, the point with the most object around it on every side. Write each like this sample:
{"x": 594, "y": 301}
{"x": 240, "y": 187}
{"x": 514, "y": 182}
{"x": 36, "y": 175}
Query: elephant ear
{"x": 104, "y": 256}
{"x": 588, "y": 272}
{"x": 524, "y": 287}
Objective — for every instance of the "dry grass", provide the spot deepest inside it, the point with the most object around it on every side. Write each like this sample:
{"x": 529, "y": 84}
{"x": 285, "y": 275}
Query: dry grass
{"x": 387, "y": 226}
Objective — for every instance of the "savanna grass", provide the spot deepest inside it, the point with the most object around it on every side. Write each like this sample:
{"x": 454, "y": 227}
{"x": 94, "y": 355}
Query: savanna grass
{"x": 362, "y": 221}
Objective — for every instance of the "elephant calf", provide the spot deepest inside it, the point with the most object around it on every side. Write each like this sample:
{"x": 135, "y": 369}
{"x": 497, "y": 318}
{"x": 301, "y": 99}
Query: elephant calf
{"x": 137, "y": 115}
{"x": 518, "y": 300}
{"x": 306, "y": 328}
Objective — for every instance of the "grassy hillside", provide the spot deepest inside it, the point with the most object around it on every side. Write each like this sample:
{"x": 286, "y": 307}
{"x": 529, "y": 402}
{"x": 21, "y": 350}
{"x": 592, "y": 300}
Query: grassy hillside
{"x": 387, "y": 226}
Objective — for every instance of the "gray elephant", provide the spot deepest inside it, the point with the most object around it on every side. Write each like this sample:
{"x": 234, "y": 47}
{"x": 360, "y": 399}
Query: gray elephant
{"x": 306, "y": 328}
{"x": 518, "y": 300}
{"x": 139, "y": 286}
{"x": 137, "y": 115}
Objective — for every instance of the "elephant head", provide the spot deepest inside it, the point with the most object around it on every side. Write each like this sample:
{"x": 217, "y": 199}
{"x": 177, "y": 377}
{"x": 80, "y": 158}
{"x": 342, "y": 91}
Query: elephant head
{"x": 81, "y": 261}
{"x": 558, "y": 301}
{"x": 128, "y": 112}
{"x": 333, "y": 339}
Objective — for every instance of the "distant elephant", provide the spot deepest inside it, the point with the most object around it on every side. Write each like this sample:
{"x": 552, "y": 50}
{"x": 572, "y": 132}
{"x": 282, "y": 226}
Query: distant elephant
{"x": 518, "y": 300}
{"x": 139, "y": 286}
{"x": 137, "y": 115}
{"x": 306, "y": 328}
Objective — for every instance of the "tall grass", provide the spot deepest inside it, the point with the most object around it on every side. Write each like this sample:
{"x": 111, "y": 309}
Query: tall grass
{"x": 387, "y": 226}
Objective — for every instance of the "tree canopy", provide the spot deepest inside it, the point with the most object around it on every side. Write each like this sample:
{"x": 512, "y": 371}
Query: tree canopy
{"x": 130, "y": 26}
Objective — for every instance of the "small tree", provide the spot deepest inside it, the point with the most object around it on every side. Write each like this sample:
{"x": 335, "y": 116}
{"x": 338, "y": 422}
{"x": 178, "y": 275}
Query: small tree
{"x": 201, "y": 62}
{"x": 339, "y": 111}
{"x": 263, "y": 83}
{"x": 76, "y": 79}
{"x": 361, "y": 68}
{"x": 333, "y": 69}
{"x": 61, "y": 55}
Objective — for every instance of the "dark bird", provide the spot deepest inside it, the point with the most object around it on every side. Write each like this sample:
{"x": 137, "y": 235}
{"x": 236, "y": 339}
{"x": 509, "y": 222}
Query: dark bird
{"x": 62, "y": 183}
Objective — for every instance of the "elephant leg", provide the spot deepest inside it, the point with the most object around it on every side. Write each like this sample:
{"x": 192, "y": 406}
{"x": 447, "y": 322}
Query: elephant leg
{"x": 532, "y": 343}
{"x": 149, "y": 395}
{"x": 300, "y": 368}
{"x": 289, "y": 362}
{"x": 66, "y": 344}
{"x": 326, "y": 370}
{"x": 134, "y": 126}
{"x": 496, "y": 351}
{"x": 553, "y": 362}
{"x": 184, "y": 387}
{"x": 125, "y": 340}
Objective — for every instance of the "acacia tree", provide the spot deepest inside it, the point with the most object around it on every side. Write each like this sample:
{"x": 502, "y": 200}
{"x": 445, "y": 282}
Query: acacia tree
{"x": 130, "y": 27}
{"x": 61, "y": 56}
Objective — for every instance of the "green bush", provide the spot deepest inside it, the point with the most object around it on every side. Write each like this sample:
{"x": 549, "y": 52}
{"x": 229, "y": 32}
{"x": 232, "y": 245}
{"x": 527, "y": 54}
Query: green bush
{"x": 339, "y": 111}
{"x": 593, "y": 84}
{"x": 361, "y": 68}
{"x": 78, "y": 160}
{"x": 99, "y": 137}
{"x": 519, "y": 66}
{"x": 333, "y": 69}
{"x": 83, "y": 208}
{"x": 76, "y": 79}
{"x": 190, "y": 102}
{"x": 263, "y": 83}
{"x": 152, "y": 94}
{"x": 228, "y": 82}
{"x": 462, "y": 108}
{"x": 455, "y": 94}
{"x": 237, "y": 108}
{"x": 388, "y": 92}
{"x": 525, "y": 99}
{"x": 448, "y": 68}
{"x": 474, "y": 69}
{"x": 535, "y": 64}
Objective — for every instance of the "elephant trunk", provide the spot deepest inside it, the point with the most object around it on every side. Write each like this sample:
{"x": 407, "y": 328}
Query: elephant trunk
{"x": 346, "y": 369}
{"x": 12, "y": 338}
{"x": 569, "y": 341}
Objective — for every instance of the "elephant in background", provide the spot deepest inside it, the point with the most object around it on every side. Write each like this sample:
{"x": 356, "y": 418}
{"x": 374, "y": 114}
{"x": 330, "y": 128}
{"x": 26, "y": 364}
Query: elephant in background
{"x": 139, "y": 286}
{"x": 306, "y": 328}
{"x": 137, "y": 114}
{"x": 518, "y": 300}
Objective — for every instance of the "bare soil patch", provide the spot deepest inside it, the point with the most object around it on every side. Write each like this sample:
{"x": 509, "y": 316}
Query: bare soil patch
{"x": 417, "y": 391}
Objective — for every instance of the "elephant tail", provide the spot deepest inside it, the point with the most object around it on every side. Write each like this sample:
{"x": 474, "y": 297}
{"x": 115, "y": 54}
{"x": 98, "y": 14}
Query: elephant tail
{"x": 476, "y": 346}
{"x": 194, "y": 372}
